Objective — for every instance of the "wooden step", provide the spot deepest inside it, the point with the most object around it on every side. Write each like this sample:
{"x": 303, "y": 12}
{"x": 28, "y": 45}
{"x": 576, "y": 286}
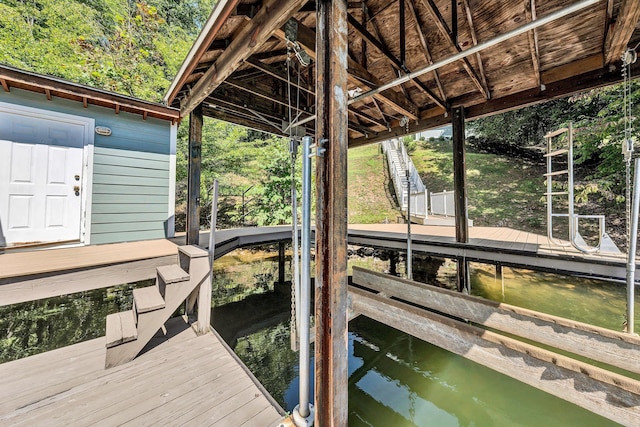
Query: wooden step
{"x": 121, "y": 328}
{"x": 193, "y": 251}
{"x": 147, "y": 299}
{"x": 172, "y": 274}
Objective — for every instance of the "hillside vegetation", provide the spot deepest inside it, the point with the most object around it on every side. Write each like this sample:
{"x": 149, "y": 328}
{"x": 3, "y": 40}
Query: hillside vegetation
{"x": 136, "y": 48}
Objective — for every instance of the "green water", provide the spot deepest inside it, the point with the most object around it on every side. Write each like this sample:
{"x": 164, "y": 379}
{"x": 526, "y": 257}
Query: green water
{"x": 398, "y": 380}
{"x": 590, "y": 301}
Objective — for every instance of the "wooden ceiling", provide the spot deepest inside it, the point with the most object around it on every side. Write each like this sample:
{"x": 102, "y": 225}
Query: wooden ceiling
{"x": 238, "y": 67}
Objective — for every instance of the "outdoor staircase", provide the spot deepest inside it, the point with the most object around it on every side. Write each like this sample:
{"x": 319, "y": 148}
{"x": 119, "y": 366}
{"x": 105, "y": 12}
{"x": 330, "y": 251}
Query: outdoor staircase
{"x": 129, "y": 331}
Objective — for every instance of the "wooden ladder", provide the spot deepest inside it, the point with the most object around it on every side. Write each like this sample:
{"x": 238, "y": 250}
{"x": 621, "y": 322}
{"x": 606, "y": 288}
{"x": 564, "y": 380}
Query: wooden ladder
{"x": 129, "y": 331}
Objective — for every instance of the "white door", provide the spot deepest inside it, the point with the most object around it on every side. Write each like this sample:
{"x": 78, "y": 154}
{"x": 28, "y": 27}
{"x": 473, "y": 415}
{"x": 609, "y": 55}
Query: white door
{"x": 41, "y": 167}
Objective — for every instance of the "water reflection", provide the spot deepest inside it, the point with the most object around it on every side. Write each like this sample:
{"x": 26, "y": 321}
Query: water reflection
{"x": 398, "y": 380}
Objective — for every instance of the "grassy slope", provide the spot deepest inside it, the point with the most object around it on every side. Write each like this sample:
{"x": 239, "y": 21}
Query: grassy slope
{"x": 501, "y": 191}
{"x": 370, "y": 201}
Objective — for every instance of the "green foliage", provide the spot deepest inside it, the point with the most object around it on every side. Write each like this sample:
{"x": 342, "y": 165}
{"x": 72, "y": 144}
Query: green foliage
{"x": 274, "y": 207}
{"x": 130, "y": 47}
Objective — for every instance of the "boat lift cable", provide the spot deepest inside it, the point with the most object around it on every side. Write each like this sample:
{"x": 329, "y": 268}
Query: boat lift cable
{"x": 295, "y": 278}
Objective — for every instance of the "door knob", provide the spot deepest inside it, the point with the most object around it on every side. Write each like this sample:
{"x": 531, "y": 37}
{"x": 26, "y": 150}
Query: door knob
{"x": 76, "y": 189}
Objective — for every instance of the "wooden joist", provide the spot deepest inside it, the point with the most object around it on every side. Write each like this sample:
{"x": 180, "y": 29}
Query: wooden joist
{"x": 600, "y": 344}
{"x": 621, "y": 30}
{"x": 605, "y": 393}
{"x": 272, "y": 15}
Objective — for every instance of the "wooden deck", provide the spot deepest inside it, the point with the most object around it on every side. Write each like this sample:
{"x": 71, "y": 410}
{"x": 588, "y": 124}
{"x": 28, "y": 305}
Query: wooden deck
{"x": 180, "y": 379}
{"x": 32, "y": 275}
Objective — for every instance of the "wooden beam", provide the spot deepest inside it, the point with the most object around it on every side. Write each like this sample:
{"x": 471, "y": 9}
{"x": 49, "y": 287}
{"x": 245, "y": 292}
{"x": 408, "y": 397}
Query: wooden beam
{"x": 606, "y": 393}
{"x": 47, "y": 92}
{"x": 358, "y": 75}
{"x": 474, "y": 38}
{"x": 425, "y": 48}
{"x": 214, "y": 50}
{"x": 460, "y": 174}
{"x": 249, "y": 39}
{"x": 331, "y": 344}
{"x": 438, "y": 20}
{"x": 193, "y": 181}
{"x": 621, "y": 30}
{"x": 530, "y": 11}
{"x": 5, "y": 85}
{"x": 592, "y": 342}
{"x": 403, "y": 33}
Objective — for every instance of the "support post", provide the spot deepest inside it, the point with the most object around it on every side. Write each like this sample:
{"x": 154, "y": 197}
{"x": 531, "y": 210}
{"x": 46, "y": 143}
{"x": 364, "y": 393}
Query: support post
{"x": 331, "y": 345}
{"x": 281, "y": 263}
{"x": 204, "y": 291}
{"x": 460, "y": 191}
{"x": 193, "y": 183}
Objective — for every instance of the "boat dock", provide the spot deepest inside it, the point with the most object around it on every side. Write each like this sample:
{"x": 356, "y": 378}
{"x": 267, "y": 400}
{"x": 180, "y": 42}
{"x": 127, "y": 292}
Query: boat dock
{"x": 180, "y": 378}
{"x": 28, "y": 276}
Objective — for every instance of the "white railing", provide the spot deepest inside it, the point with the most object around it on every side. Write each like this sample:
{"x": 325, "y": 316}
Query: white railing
{"x": 399, "y": 162}
{"x": 442, "y": 203}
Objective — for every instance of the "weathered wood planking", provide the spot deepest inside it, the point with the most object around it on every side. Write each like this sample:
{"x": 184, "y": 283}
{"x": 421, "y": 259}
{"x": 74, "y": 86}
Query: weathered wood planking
{"x": 182, "y": 378}
{"x": 605, "y": 393}
{"x": 604, "y": 345}
{"x": 14, "y": 264}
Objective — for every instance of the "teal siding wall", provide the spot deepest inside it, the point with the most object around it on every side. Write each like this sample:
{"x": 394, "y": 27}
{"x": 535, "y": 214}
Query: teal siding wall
{"x": 130, "y": 191}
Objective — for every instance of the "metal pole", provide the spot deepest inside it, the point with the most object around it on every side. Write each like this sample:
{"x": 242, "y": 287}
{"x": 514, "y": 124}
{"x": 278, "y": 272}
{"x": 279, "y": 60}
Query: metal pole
{"x": 214, "y": 220}
{"x": 305, "y": 279}
{"x": 294, "y": 240}
{"x": 409, "y": 252}
{"x": 631, "y": 259}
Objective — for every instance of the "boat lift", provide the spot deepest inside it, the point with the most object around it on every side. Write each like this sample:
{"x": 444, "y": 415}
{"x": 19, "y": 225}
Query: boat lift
{"x": 556, "y": 150}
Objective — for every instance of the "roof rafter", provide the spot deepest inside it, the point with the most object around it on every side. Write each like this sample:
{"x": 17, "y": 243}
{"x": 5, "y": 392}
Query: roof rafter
{"x": 357, "y": 74}
{"x": 530, "y": 11}
{"x": 621, "y": 30}
{"x": 444, "y": 29}
{"x": 474, "y": 38}
{"x": 249, "y": 38}
{"x": 425, "y": 48}
{"x": 398, "y": 65}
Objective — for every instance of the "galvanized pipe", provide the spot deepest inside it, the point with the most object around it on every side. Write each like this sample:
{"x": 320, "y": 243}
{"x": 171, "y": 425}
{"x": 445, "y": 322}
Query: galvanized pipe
{"x": 295, "y": 280}
{"x": 305, "y": 278}
{"x": 409, "y": 252}
{"x": 633, "y": 241}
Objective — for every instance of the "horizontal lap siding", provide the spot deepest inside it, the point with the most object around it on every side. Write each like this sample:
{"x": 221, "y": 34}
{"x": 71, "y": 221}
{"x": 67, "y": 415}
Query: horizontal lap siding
{"x": 130, "y": 191}
{"x": 131, "y": 186}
